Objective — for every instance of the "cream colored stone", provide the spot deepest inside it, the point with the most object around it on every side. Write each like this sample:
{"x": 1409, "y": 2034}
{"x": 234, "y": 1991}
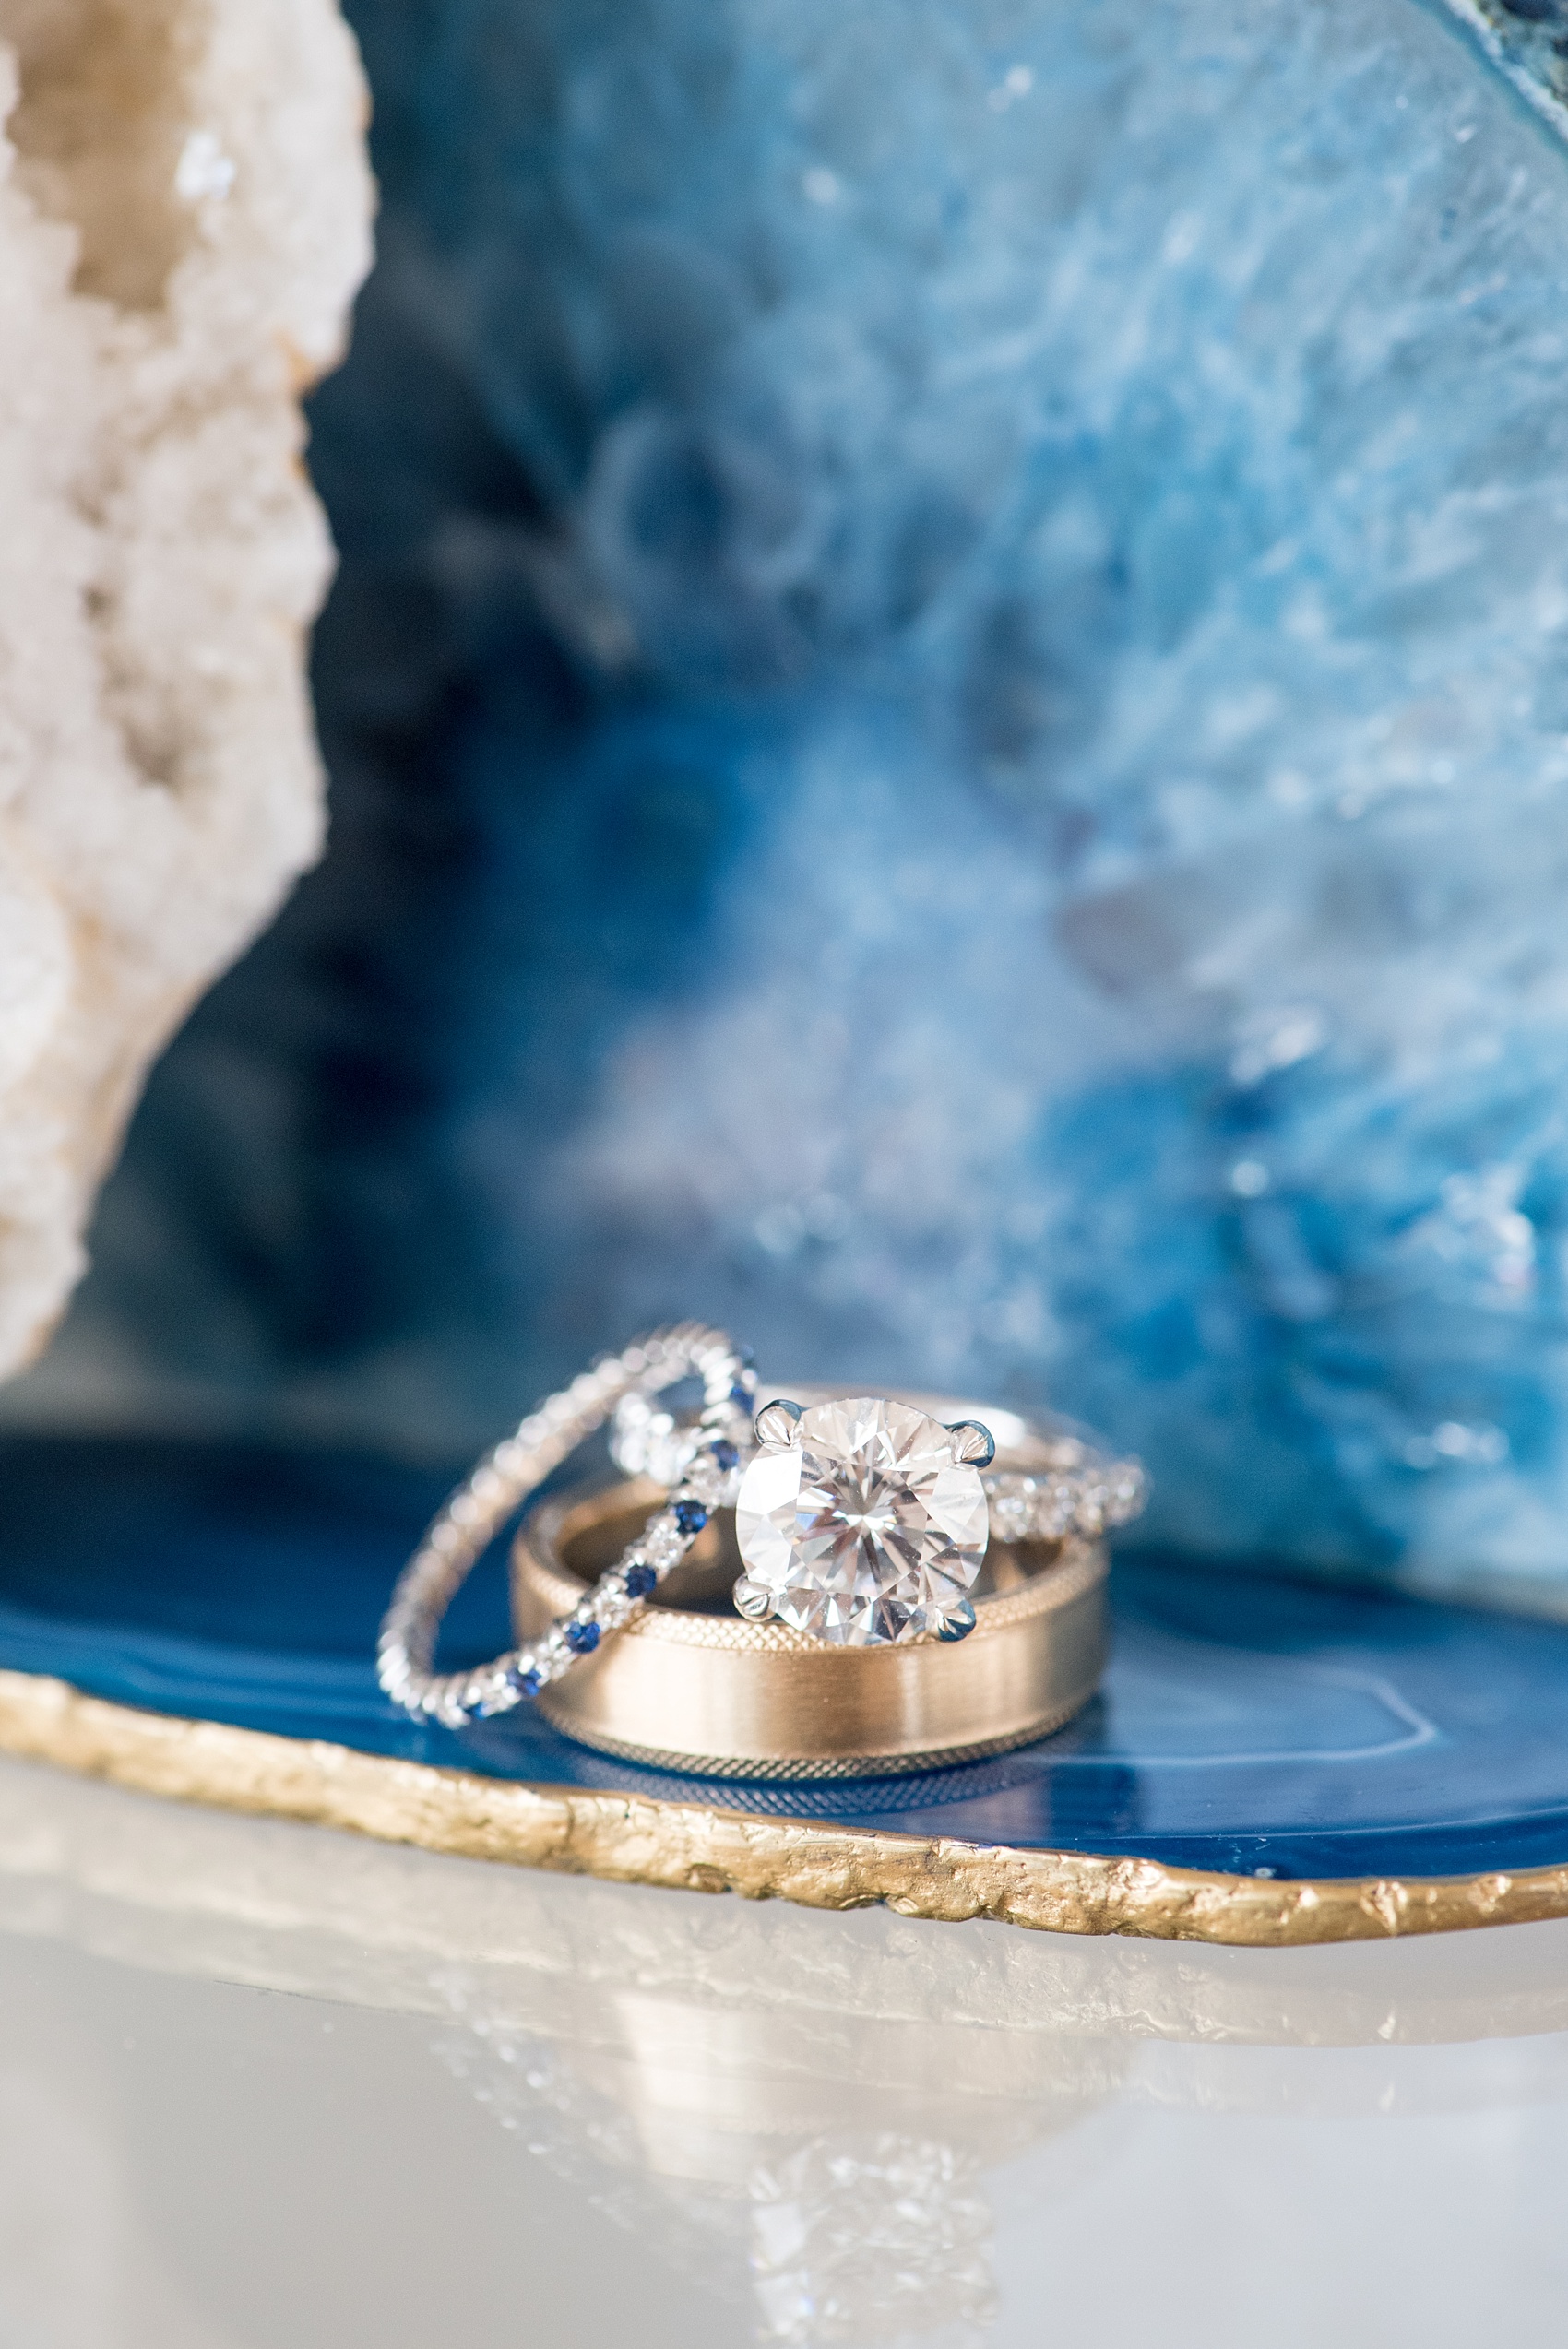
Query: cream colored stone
{"x": 184, "y": 210}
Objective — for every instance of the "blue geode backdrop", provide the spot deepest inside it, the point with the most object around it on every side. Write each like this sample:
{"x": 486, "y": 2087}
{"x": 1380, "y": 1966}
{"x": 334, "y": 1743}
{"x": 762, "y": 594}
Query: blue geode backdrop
{"x": 948, "y": 713}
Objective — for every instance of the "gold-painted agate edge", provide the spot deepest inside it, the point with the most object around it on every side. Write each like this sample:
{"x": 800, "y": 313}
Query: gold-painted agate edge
{"x": 688, "y": 1846}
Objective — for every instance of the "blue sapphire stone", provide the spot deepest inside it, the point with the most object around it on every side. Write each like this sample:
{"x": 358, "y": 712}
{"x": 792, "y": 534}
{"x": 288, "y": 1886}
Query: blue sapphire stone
{"x": 724, "y": 1453}
{"x": 742, "y": 1397}
{"x": 526, "y": 1681}
{"x": 639, "y": 1580}
{"x": 582, "y": 1638}
{"x": 691, "y": 1516}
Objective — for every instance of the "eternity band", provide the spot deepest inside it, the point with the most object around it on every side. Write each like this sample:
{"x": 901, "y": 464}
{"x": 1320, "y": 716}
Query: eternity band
{"x": 508, "y": 1477}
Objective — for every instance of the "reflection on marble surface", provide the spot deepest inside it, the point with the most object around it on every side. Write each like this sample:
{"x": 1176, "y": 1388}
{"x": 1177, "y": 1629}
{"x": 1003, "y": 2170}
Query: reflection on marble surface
{"x": 871, "y": 2238}
{"x": 720, "y": 2122}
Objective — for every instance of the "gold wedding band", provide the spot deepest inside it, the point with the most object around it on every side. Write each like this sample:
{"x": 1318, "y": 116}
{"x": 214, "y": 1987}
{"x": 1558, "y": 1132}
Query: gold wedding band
{"x": 690, "y": 1685}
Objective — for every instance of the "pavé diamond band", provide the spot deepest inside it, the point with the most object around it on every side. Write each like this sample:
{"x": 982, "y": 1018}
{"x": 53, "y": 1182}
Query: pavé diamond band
{"x": 503, "y": 1482}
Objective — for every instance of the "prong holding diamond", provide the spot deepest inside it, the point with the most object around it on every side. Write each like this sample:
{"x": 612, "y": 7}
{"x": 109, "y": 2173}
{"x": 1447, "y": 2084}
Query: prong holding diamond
{"x": 959, "y": 1622}
{"x": 779, "y": 1426}
{"x": 859, "y": 1522}
{"x": 752, "y": 1599}
{"x": 974, "y": 1446}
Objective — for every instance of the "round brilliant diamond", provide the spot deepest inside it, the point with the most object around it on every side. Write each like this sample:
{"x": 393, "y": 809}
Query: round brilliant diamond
{"x": 863, "y": 1530}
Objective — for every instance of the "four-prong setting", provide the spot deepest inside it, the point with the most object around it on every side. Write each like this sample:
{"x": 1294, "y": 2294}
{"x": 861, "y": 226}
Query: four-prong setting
{"x": 862, "y": 1521}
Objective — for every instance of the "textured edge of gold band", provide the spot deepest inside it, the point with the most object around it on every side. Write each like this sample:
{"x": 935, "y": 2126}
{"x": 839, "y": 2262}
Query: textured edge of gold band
{"x": 851, "y": 1766}
{"x": 686, "y": 1846}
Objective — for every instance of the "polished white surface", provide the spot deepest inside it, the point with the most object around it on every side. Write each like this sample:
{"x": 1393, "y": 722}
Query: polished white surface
{"x": 266, "y": 2087}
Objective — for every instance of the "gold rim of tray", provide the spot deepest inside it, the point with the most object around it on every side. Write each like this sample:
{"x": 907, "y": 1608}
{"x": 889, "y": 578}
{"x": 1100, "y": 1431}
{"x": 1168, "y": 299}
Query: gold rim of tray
{"x": 687, "y": 1846}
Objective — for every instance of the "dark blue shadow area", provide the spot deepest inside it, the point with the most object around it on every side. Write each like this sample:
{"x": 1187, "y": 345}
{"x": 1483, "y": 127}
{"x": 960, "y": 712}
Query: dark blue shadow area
{"x": 1247, "y": 1722}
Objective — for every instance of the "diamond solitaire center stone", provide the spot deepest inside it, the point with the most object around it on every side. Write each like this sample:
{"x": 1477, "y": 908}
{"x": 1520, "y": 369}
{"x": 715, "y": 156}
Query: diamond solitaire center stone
{"x": 862, "y": 1521}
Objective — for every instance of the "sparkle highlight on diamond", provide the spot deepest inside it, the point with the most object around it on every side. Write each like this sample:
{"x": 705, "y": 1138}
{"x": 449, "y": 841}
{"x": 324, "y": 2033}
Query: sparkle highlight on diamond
{"x": 864, "y": 1528}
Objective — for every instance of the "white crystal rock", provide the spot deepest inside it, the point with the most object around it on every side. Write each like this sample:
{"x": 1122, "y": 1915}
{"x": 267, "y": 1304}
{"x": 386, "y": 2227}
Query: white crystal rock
{"x": 865, "y": 1529}
{"x": 184, "y": 214}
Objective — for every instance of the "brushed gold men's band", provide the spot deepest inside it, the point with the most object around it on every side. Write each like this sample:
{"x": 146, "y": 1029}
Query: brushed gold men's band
{"x": 690, "y": 1685}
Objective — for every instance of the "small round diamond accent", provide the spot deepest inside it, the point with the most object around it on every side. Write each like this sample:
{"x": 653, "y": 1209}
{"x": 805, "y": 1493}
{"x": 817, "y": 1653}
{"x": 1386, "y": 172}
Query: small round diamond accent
{"x": 662, "y": 1542}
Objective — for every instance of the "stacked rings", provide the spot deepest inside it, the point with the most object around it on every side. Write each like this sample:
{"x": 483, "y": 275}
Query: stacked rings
{"x": 830, "y": 1587}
